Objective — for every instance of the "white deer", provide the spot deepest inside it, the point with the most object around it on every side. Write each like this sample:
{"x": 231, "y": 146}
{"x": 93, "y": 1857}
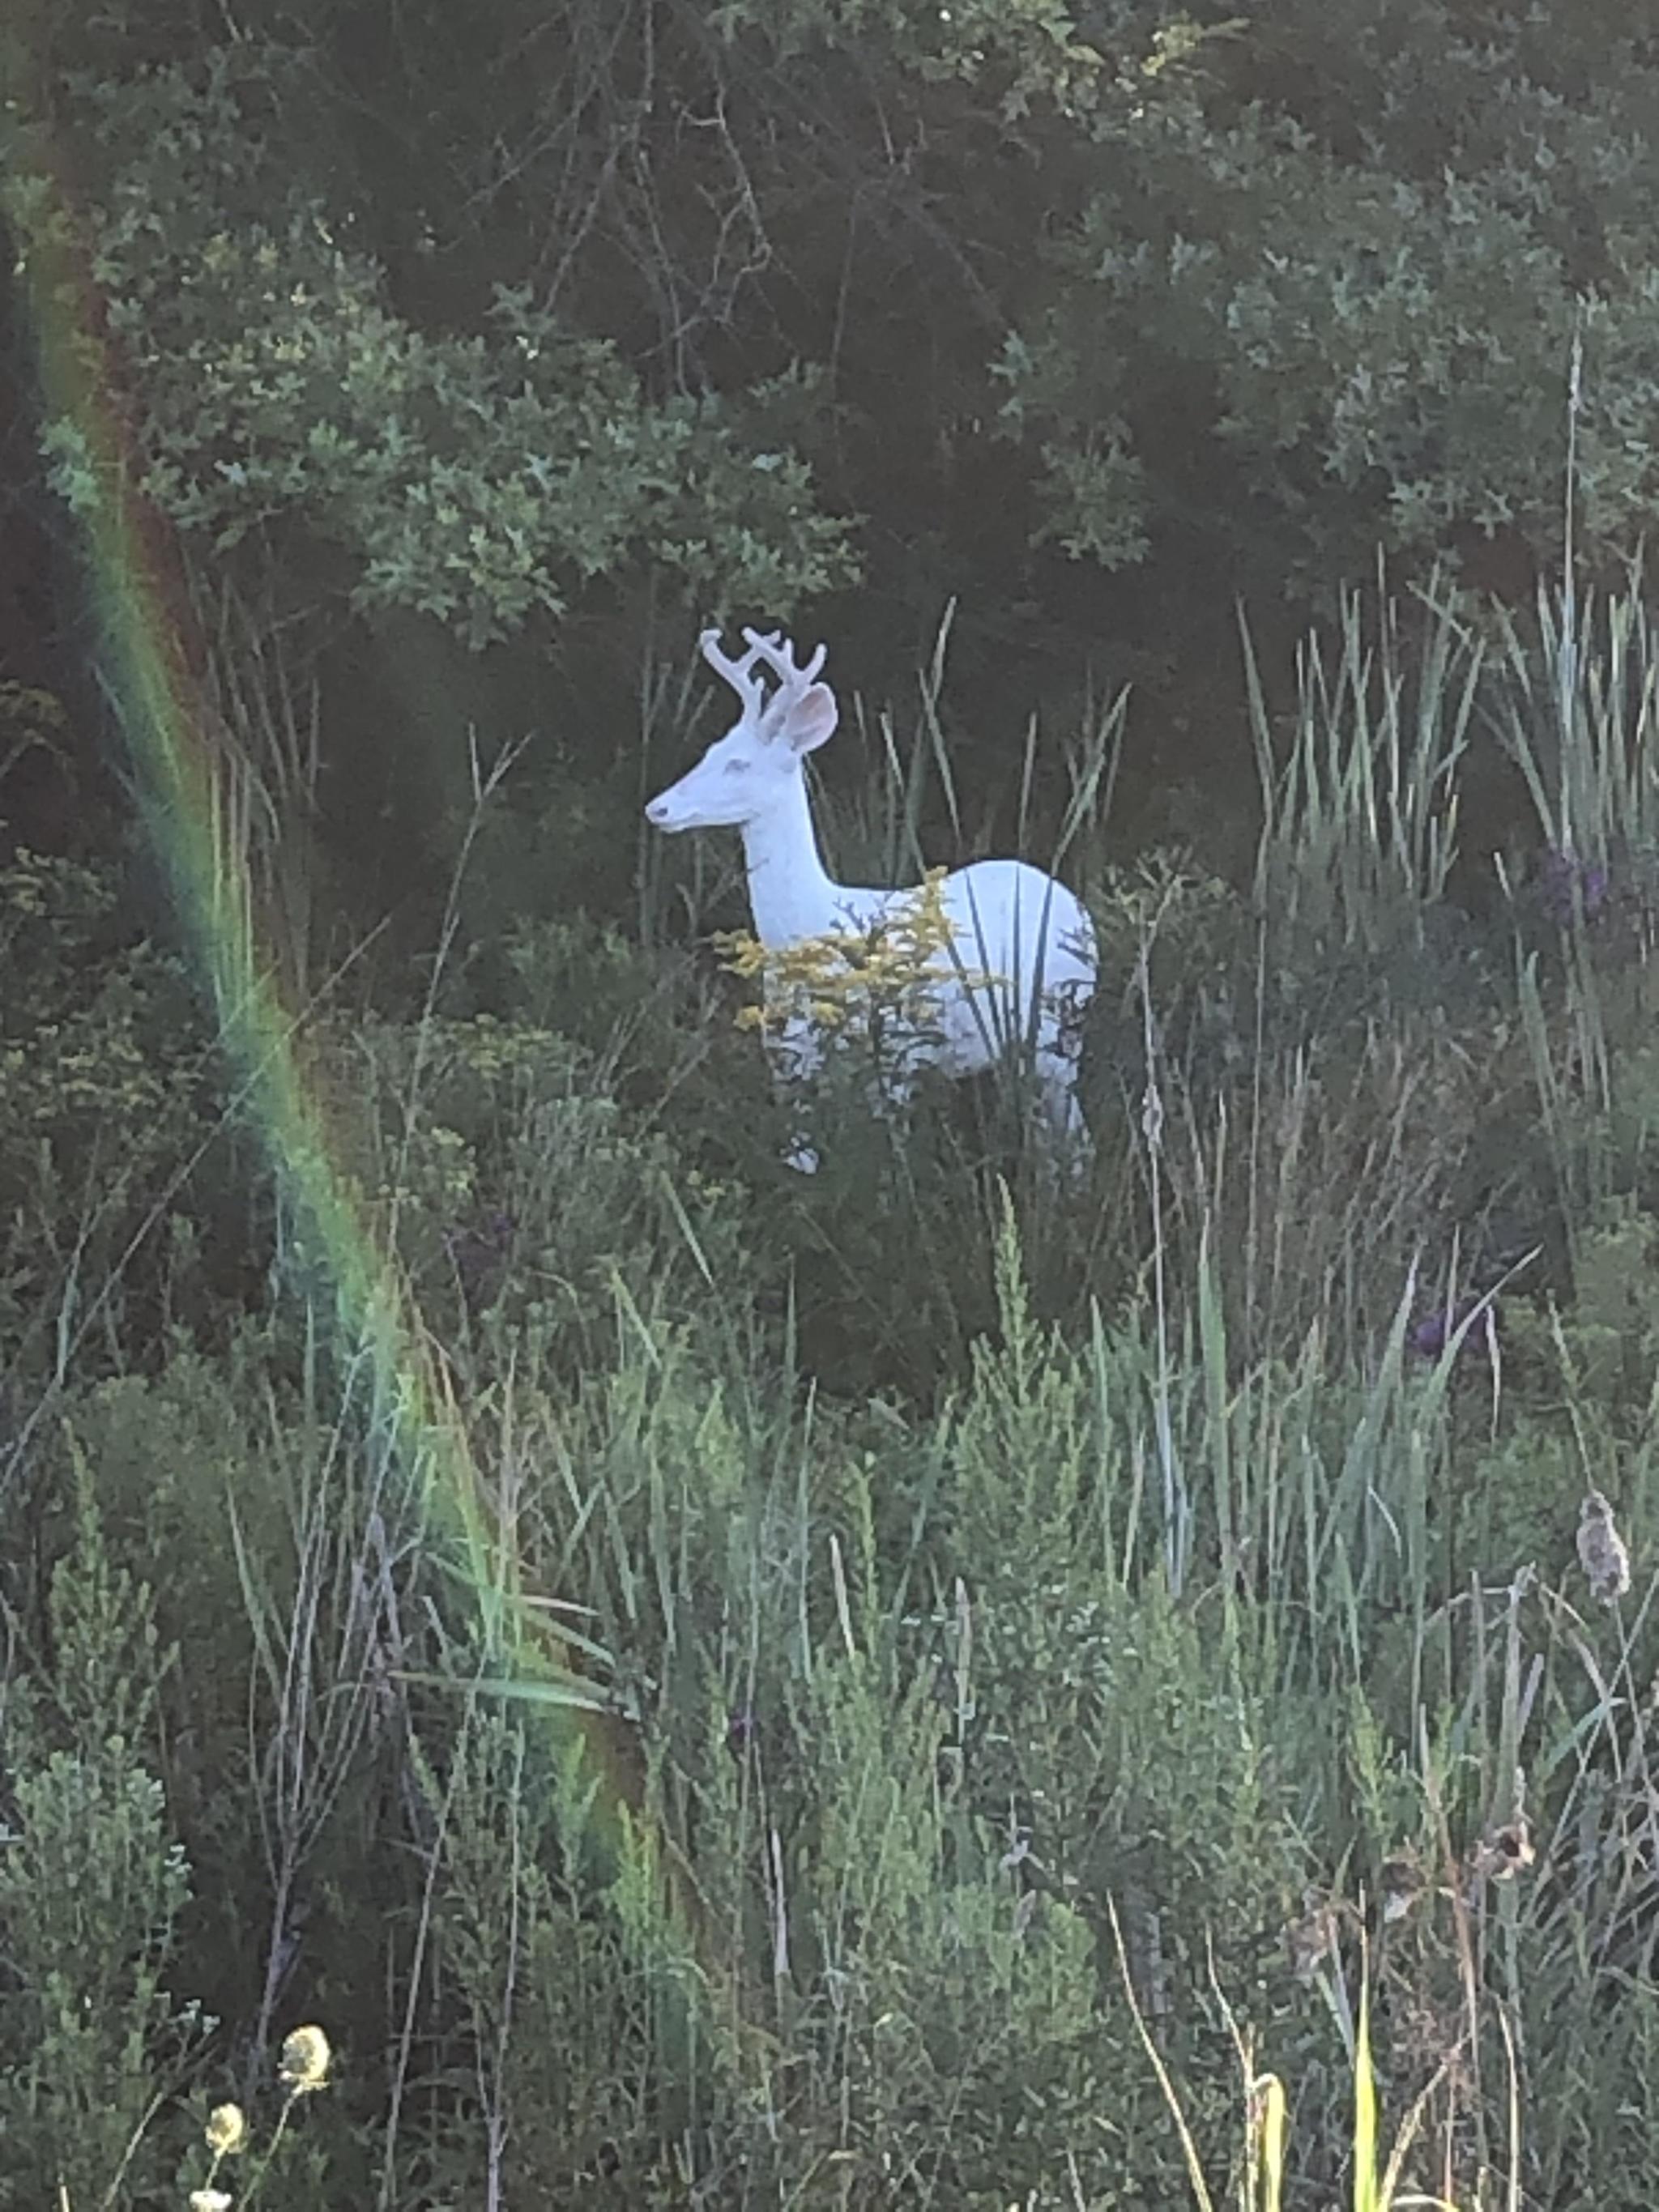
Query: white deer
{"x": 1022, "y": 956}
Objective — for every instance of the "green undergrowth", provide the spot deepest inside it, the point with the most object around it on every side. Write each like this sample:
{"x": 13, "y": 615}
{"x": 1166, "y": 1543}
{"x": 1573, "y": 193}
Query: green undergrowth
{"x": 928, "y": 1684}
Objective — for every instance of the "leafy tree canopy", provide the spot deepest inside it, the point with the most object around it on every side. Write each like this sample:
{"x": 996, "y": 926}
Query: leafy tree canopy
{"x": 1090, "y": 316}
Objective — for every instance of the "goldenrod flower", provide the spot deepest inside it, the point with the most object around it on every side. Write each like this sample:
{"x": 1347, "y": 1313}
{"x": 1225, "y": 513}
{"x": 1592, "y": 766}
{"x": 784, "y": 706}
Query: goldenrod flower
{"x": 305, "y": 2060}
{"x": 883, "y": 986}
{"x": 227, "y": 2131}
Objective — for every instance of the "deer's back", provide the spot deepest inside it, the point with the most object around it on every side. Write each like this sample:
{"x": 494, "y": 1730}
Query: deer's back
{"x": 1012, "y": 921}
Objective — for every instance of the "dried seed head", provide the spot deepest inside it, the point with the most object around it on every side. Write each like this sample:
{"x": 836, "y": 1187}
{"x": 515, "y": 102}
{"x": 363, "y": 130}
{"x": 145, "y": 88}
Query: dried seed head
{"x": 227, "y": 2131}
{"x": 1400, "y": 1884}
{"x": 305, "y": 2060}
{"x": 1602, "y": 1552}
{"x": 1502, "y": 1853}
{"x": 1311, "y": 1940}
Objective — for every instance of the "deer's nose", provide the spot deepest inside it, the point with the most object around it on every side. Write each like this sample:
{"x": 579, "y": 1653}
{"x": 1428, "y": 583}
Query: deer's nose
{"x": 657, "y": 812}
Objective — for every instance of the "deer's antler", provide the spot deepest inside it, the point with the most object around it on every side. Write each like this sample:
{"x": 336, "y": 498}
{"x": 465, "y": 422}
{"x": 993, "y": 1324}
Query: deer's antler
{"x": 748, "y": 687}
{"x": 779, "y": 656}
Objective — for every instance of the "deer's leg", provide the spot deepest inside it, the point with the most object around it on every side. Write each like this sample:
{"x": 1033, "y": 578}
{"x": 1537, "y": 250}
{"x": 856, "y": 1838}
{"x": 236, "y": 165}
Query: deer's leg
{"x": 1061, "y": 1115}
{"x": 795, "y": 1055}
{"x": 890, "y": 1092}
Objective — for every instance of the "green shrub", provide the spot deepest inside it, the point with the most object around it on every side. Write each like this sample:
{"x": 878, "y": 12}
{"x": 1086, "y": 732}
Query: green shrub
{"x": 92, "y": 1886}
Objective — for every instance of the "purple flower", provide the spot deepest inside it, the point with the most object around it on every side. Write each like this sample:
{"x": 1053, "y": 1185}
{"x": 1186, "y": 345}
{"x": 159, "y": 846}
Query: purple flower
{"x": 1435, "y": 1331}
{"x": 741, "y": 1730}
{"x": 1560, "y": 873}
{"x": 479, "y": 1250}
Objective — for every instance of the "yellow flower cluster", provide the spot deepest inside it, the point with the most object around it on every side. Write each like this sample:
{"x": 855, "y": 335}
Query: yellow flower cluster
{"x": 876, "y": 979}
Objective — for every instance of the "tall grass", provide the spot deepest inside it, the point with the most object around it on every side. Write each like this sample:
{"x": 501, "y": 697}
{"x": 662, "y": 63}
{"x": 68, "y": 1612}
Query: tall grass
{"x": 1115, "y": 1703}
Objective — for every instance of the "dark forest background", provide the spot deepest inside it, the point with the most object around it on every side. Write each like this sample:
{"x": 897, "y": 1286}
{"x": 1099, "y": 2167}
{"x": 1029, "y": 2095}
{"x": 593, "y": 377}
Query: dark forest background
{"x": 485, "y": 354}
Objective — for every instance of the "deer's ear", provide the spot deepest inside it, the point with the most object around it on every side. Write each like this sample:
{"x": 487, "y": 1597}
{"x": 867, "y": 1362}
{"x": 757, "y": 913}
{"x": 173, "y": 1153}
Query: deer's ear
{"x": 811, "y": 720}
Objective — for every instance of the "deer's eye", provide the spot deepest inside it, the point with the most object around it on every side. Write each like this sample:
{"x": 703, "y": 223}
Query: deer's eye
{"x": 736, "y": 767}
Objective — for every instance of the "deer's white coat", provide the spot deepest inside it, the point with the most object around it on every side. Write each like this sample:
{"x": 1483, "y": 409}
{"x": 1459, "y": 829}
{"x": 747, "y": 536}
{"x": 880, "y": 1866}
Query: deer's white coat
{"x": 1023, "y": 947}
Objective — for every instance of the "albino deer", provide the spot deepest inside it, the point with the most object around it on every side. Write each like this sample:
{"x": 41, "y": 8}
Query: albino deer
{"x": 1022, "y": 948}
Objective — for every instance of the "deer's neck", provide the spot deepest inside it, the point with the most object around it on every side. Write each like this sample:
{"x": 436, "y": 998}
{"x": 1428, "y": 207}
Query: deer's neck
{"x": 790, "y": 896}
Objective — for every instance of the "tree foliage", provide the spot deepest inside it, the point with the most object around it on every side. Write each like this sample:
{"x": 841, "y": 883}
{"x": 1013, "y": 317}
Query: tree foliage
{"x": 476, "y": 476}
{"x": 1089, "y": 316}
{"x": 1366, "y": 278}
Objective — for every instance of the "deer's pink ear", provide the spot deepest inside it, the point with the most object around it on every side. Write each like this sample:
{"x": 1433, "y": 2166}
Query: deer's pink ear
{"x": 811, "y": 720}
